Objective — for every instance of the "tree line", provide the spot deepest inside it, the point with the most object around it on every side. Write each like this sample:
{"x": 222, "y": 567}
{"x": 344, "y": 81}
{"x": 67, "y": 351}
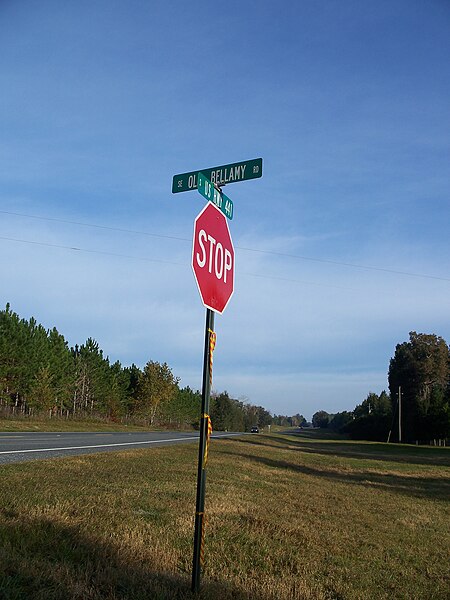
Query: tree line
{"x": 41, "y": 375}
{"x": 292, "y": 421}
{"x": 419, "y": 387}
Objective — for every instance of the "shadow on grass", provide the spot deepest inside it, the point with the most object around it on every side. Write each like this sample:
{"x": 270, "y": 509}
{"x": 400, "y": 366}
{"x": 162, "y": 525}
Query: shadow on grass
{"x": 316, "y": 434}
{"x": 418, "y": 487}
{"x": 44, "y": 560}
{"x": 415, "y": 455}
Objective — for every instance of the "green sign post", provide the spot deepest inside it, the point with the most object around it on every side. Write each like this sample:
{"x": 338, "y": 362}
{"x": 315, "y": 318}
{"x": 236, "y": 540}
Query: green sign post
{"x": 208, "y": 191}
{"x": 223, "y": 175}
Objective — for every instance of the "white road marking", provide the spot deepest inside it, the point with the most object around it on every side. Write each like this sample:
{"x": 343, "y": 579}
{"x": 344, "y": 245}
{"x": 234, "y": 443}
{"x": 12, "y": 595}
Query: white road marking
{"x": 109, "y": 445}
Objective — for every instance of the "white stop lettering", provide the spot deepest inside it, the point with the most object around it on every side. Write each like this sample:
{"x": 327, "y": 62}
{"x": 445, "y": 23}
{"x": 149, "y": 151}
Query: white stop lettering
{"x": 214, "y": 255}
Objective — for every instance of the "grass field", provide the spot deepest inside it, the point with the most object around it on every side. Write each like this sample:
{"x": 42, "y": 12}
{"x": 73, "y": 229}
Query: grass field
{"x": 289, "y": 517}
{"x": 61, "y": 424}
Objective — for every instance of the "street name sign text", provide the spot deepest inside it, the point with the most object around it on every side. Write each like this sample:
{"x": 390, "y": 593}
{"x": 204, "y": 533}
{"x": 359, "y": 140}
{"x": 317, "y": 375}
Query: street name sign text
{"x": 208, "y": 191}
{"x": 225, "y": 174}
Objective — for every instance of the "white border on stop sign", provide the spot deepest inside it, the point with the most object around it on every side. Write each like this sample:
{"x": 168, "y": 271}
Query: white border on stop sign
{"x": 220, "y": 215}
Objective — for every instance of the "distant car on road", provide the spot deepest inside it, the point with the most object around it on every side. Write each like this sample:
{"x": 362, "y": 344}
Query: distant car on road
{"x": 254, "y": 430}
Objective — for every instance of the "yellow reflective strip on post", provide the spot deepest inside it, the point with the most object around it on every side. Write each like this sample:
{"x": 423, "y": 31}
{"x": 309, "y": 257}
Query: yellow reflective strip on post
{"x": 208, "y": 435}
{"x": 212, "y": 345}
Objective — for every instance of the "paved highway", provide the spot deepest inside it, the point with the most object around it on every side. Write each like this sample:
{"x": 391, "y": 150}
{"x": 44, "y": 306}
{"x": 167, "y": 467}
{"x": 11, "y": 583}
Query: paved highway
{"x": 21, "y": 446}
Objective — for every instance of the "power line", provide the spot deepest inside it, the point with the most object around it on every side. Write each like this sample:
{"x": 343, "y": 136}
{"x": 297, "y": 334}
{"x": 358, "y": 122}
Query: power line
{"x": 121, "y": 230}
{"x": 156, "y": 260}
{"x": 256, "y": 250}
{"x": 336, "y": 287}
{"x": 76, "y": 249}
{"x": 345, "y": 264}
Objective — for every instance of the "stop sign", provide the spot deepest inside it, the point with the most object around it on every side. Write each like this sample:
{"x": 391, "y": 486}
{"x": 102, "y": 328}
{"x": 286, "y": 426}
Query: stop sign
{"x": 213, "y": 258}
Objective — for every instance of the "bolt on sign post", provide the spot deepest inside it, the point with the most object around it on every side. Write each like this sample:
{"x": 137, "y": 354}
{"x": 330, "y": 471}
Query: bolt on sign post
{"x": 213, "y": 266}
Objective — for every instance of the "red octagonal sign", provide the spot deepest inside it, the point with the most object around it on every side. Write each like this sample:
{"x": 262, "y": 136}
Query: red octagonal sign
{"x": 213, "y": 258}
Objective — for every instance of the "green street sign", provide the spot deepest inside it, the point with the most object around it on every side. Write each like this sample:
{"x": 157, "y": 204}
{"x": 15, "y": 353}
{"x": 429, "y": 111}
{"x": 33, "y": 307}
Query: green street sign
{"x": 225, "y": 174}
{"x": 208, "y": 191}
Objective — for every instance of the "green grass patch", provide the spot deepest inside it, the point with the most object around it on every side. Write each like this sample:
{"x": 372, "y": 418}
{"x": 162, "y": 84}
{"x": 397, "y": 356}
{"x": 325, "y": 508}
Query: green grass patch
{"x": 62, "y": 424}
{"x": 288, "y": 517}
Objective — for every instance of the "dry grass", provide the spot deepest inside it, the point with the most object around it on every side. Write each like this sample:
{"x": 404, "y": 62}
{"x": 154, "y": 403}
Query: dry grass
{"x": 62, "y": 424}
{"x": 288, "y": 518}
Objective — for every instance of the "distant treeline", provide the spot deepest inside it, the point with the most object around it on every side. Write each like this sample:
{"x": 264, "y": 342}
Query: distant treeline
{"x": 419, "y": 381}
{"x": 293, "y": 421}
{"x": 41, "y": 376}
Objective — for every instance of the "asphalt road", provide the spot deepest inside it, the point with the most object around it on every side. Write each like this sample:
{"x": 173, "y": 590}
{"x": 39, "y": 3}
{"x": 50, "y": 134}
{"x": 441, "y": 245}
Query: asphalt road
{"x": 22, "y": 446}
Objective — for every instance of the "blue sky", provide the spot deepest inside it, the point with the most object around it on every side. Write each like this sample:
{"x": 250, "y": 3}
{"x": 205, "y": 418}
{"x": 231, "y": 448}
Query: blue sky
{"x": 348, "y": 104}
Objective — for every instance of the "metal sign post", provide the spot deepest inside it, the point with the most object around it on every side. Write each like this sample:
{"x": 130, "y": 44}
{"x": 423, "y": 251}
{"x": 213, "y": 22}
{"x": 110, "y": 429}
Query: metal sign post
{"x": 199, "y": 534}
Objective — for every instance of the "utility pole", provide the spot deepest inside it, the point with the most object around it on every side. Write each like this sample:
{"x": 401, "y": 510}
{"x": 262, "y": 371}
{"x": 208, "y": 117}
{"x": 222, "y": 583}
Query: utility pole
{"x": 399, "y": 413}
